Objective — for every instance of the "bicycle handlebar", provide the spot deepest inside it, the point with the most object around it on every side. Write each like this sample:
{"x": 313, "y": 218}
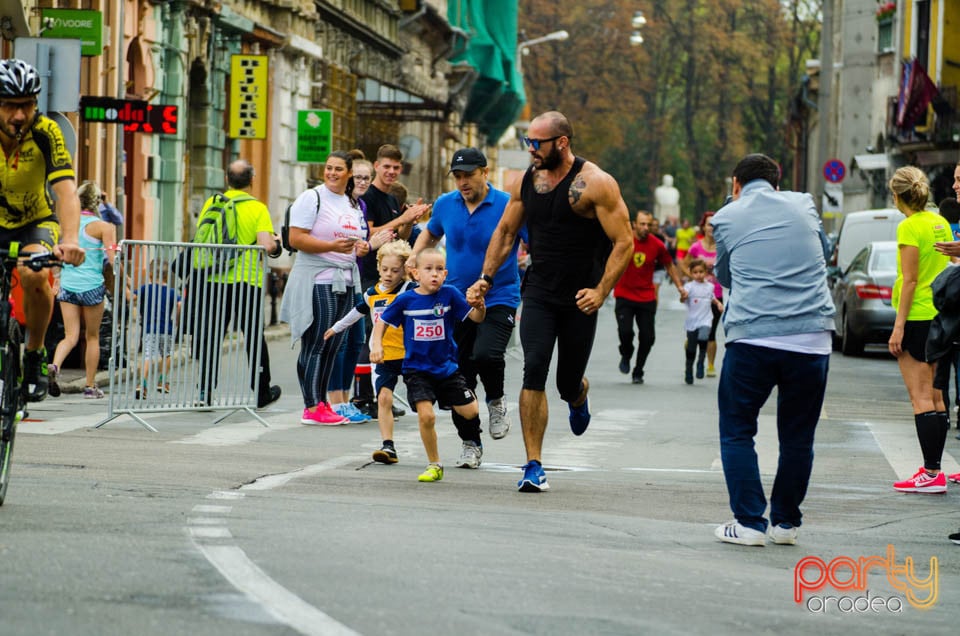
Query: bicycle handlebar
{"x": 33, "y": 260}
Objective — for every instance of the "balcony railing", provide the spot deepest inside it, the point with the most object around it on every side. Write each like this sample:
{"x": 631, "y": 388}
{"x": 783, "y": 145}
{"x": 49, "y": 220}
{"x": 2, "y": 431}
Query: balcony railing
{"x": 937, "y": 129}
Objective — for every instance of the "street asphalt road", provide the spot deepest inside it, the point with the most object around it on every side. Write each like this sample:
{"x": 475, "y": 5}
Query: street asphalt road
{"x": 237, "y": 529}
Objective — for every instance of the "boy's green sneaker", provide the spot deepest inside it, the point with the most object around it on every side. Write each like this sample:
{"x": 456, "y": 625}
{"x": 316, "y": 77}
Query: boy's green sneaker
{"x": 434, "y": 472}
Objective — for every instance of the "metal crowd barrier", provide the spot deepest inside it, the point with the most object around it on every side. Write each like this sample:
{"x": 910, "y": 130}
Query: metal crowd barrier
{"x": 184, "y": 340}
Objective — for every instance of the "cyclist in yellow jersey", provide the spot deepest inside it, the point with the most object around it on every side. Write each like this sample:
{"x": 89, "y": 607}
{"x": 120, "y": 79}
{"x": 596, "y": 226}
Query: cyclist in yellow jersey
{"x": 35, "y": 156}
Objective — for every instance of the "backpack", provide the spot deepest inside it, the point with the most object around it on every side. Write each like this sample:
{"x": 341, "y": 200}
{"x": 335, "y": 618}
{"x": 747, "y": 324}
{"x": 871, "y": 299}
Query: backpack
{"x": 285, "y": 232}
{"x": 285, "y": 228}
{"x": 218, "y": 225}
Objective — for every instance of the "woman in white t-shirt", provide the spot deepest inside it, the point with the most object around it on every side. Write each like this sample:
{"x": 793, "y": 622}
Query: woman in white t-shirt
{"x": 328, "y": 230}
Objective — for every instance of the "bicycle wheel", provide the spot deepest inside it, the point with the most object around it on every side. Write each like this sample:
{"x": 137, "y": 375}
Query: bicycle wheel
{"x": 10, "y": 399}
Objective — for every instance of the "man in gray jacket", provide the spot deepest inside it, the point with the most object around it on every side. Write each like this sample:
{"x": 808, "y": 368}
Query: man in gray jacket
{"x": 771, "y": 254}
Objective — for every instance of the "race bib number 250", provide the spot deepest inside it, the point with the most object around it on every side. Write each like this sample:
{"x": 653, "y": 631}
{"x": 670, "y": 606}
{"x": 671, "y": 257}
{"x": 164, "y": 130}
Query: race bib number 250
{"x": 428, "y": 329}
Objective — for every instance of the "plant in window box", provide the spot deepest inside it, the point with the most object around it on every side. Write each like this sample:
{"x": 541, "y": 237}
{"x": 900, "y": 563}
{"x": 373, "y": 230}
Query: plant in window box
{"x": 886, "y": 11}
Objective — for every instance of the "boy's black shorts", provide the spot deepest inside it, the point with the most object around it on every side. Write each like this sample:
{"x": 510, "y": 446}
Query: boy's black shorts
{"x": 387, "y": 372}
{"x": 447, "y": 392}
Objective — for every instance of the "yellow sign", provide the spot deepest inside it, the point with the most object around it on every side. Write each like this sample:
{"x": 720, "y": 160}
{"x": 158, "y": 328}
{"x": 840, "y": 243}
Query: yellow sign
{"x": 248, "y": 96}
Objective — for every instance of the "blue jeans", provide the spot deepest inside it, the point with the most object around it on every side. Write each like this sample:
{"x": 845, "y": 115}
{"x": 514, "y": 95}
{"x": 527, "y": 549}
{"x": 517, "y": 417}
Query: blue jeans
{"x": 748, "y": 376}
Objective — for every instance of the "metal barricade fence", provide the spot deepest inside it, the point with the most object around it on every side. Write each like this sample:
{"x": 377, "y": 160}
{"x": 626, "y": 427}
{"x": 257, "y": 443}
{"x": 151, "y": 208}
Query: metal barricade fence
{"x": 186, "y": 336}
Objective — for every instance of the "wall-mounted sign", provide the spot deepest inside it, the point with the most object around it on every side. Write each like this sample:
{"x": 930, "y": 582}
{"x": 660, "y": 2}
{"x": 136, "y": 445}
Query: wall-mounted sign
{"x": 248, "y": 96}
{"x": 135, "y": 115}
{"x": 314, "y": 135}
{"x": 76, "y": 24}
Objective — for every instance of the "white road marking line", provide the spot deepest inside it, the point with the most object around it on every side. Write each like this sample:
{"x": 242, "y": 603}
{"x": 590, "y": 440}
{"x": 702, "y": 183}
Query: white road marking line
{"x": 675, "y": 470}
{"x": 237, "y": 434}
{"x": 204, "y": 521}
{"x": 280, "y": 602}
{"x": 212, "y": 510}
{"x": 899, "y": 445}
{"x": 225, "y": 494}
{"x": 204, "y": 532}
{"x": 606, "y": 431}
{"x": 269, "y": 482}
{"x": 244, "y": 575}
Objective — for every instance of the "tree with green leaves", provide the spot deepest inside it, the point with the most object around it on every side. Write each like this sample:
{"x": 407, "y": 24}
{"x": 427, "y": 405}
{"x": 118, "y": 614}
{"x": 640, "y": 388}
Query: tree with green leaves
{"x": 711, "y": 82}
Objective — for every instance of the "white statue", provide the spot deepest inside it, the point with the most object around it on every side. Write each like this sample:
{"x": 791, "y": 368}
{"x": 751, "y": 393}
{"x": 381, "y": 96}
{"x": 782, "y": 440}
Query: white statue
{"x": 666, "y": 199}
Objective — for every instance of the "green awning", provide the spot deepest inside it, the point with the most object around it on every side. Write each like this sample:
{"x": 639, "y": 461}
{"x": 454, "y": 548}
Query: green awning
{"x": 497, "y": 96}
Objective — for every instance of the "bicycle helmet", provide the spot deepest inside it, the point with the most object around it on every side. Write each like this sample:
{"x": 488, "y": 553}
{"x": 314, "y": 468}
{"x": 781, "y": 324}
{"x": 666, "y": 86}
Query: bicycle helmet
{"x": 18, "y": 79}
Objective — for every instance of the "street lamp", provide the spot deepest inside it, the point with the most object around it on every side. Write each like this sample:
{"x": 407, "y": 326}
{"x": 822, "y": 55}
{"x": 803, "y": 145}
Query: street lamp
{"x": 637, "y": 23}
{"x": 523, "y": 48}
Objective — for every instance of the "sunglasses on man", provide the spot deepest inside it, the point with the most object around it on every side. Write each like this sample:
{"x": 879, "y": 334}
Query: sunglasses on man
{"x": 535, "y": 143}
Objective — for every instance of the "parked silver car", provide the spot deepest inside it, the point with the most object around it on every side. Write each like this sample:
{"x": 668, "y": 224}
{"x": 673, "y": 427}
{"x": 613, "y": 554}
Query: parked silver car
{"x": 862, "y": 293}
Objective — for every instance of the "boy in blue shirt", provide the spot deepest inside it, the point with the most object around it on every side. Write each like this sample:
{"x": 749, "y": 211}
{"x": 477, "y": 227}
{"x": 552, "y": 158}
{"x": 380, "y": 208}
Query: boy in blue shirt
{"x": 158, "y": 305}
{"x": 428, "y": 315}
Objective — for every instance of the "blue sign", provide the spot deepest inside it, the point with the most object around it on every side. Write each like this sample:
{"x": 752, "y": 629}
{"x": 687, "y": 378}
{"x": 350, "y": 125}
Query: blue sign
{"x": 834, "y": 171}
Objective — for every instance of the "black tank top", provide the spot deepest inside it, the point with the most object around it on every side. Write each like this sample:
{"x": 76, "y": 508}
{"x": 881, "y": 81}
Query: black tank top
{"x": 568, "y": 252}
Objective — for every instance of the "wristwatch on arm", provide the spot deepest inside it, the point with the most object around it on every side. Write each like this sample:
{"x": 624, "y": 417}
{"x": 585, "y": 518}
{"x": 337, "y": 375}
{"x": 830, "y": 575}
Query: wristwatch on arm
{"x": 487, "y": 279}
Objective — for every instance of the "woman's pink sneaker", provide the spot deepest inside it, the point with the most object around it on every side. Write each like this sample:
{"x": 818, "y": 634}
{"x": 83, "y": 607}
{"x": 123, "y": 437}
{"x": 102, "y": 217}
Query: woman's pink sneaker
{"x": 955, "y": 477}
{"x": 321, "y": 415}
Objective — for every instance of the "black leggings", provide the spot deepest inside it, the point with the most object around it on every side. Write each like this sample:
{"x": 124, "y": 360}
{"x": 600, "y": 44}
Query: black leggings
{"x": 482, "y": 347}
{"x": 315, "y": 363}
{"x": 541, "y": 325}
{"x": 481, "y": 350}
{"x": 694, "y": 343}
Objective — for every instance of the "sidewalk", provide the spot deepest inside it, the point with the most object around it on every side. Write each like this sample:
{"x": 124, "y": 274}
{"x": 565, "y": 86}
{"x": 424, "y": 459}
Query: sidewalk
{"x": 74, "y": 381}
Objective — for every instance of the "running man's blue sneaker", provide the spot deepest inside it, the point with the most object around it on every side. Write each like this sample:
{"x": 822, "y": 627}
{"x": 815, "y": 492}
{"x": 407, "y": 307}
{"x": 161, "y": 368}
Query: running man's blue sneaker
{"x": 580, "y": 415}
{"x": 534, "y": 479}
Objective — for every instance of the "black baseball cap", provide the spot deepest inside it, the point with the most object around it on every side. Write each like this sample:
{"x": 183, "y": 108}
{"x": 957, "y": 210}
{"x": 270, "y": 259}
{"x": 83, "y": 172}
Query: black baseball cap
{"x": 468, "y": 160}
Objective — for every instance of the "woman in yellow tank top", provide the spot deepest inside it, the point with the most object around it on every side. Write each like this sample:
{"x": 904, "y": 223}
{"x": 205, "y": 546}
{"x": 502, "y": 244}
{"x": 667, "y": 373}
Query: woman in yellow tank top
{"x": 918, "y": 263}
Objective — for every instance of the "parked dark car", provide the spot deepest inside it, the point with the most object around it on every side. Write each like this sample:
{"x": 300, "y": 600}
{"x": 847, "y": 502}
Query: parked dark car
{"x": 862, "y": 297}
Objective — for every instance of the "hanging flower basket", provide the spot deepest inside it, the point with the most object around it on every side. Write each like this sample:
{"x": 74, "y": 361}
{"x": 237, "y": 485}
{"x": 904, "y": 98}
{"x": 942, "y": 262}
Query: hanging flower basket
{"x": 886, "y": 11}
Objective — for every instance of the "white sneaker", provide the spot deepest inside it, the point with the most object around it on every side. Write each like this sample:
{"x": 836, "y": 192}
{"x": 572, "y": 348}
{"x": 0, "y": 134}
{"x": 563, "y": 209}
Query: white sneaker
{"x": 783, "y": 534}
{"x": 733, "y": 532}
{"x": 499, "y": 424}
{"x": 470, "y": 455}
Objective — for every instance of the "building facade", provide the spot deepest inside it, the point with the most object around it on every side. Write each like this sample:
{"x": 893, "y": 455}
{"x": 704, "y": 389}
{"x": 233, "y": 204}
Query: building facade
{"x": 895, "y": 69}
{"x": 382, "y": 67}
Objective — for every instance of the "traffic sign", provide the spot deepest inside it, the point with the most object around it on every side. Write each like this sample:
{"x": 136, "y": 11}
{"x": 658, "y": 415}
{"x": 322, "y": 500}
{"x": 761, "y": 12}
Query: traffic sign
{"x": 834, "y": 171}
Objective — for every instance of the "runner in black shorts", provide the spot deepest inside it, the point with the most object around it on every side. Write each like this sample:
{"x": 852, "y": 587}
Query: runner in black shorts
{"x": 580, "y": 243}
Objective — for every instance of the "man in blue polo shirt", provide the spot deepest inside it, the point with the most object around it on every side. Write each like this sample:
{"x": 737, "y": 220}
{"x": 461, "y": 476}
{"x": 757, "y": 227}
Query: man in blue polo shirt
{"x": 467, "y": 218}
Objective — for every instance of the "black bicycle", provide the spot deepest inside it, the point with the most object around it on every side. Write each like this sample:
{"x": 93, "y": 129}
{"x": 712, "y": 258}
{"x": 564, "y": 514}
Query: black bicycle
{"x": 12, "y": 400}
